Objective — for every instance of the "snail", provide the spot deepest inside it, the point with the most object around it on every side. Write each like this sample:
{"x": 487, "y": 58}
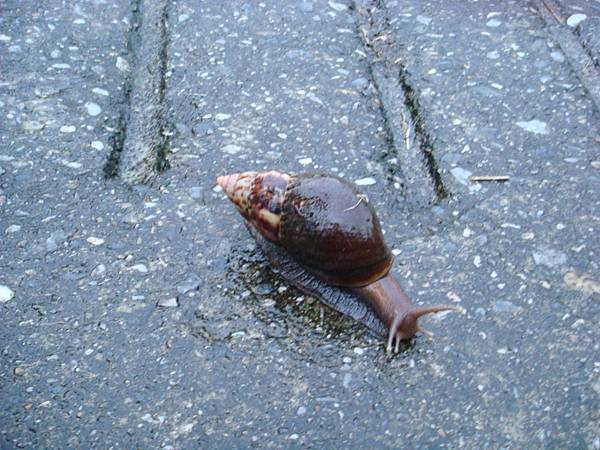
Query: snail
{"x": 322, "y": 235}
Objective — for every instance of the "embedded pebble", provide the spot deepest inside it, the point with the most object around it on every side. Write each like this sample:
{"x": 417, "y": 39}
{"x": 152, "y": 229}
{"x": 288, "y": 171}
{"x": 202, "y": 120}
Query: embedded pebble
{"x": 196, "y": 192}
{"x": 142, "y": 268}
{"x": 549, "y": 257}
{"x": 557, "y": 56}
{"x": 503, "y": 306}
{"x": 12, "y": 229}
{"x": 99, "y": 270}
{"x": 232, "y": 149}
{"x": 337, "y": 6}
{"x": 5, "y": 38}
{"x": 360, "y": 83}
{"x": 301, "y": 411}
{"x": 168, "y": 302}
{"x": 493, "y": 23}
{"x": 32, "y": 125}
{"x": 100, "y": 91}
{"x": 95, "y": 241}
{"x": 222, "y": 116}
{"x": 67, "y": 129}
{"x": 183, "y": 17}
{"x": 359, "y": 351}
{"x": 93, "y": 109}
{"x": 72, "y": 164}
{"x": 97, "y": 145}
{"x": 534, "y": 126}
{"x": 493, "y": 54}
{"x": 55, "y": 240}
{"x": 190, "y": 283}
{"x": 305, "y": 161}
{"x": 6, "y": 293}
{"x": 368, "y": 181}
{"x": 122, "y": 64}
{"x": 461, "y": 175}
{"x": 576, "y": 19}
{"x": 424, "y": 20}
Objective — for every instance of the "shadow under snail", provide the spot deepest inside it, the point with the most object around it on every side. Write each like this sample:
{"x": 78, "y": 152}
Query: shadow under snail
{"x": 322, "y": 235}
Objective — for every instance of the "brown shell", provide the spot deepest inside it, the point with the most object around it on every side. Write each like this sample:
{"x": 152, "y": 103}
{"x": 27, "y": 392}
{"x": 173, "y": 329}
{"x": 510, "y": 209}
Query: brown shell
{"x": 329, "y": 227}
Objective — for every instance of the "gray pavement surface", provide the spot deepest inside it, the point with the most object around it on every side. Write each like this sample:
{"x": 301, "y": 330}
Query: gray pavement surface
{"x": 136, "y": 309}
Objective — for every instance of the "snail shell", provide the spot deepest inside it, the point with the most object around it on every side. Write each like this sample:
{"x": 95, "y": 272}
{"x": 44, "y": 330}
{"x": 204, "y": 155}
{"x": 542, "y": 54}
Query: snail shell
{"x": 324, "y": 237}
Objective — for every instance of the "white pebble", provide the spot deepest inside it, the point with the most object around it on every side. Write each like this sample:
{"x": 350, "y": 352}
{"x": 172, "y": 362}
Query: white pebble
{"x": 305, "y": 161}
{"x": 534, "y": 126}
{"x": 12, "y": 229}
{"x": 67, "y": 129}
{"x": 5, "y": 293}
{"x": 232, "y": 149}
{"x": 576, "y": 19}
{"x": 97, "y": 145}
{"x": 93, "y": 109}
{"x": 493, "y": 23}
{"x": 222, "y": 116}
{"x": 99, "y": 91}
{"x": 140, "y": 268}
{"x": 122, "y": 64}
{"x": 95, "y": 241}
{"x": 368, "y": 181}
{"x": 359, "y": 351}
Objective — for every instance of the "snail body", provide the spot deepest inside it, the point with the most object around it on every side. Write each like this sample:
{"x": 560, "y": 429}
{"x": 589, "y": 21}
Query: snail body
{"x": 323, "y": 236}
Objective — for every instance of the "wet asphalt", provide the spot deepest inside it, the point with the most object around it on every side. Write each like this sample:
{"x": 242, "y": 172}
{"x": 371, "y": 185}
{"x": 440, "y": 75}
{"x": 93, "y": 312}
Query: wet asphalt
{"x": 137, "y": 310}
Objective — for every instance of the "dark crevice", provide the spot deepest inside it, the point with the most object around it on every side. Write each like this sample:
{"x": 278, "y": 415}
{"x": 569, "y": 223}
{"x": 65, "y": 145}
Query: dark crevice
{"x": 163, "y": 144}
{"x": 411, "y": 102}
{"x": 374, "y": 27}
{"x": 117, "y": 139}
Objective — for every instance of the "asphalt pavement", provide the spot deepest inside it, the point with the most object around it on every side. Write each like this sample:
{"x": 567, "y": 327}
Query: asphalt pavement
{"x": 138, "y": 312}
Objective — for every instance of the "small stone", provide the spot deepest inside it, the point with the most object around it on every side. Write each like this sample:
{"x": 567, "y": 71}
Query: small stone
{"x": 424, "y": 20}
{"x": 461, "y": 175}
{"x": 72, "y": 164}
{"x": 55, "y": 240}
{"x": 301, "y": 411}
{"x": 97, "y": 145}
{"x": 142, "y": 268}
{"x": 396, "y": 251}
{"x": 168, "y": 302}
{"x": 359, "y": 350}
{"x": 493, "y": 54}
{"x": 183, "y": 17}
{"x": 557, "y": 56}
{"x": 339, "y": 7}
{"x": 305, "y": 161}
{"x": 222, "y": 116}
{"x": 576, "y": 19}
{"x": 477, "y": 261}
{"x": 493, "y": 23}
{"x": 306, "y": 6}
{"x": 232, "y": 149}
{"x": 32, "y": 125}
{"x": 190, "y": 283}
{"x": 6, "y": 293}
{"x": 5, "y": 38}
{"x": 503, "y": 306}
{"x": 549, "y": 257}
{"x": 99, "y": 270}
{"x": 122, "y": 64}
{"x": 67, "y": 129}
{"x": 595, "y": 164}
{"x": 534, "y": 126}
{"x": 99, "y": 91}
{"x": 12, "y": 229}
{"x": 196, "y": 192}
{"x": 360, "y": 83}
{"x": 368, "y": 181}
{"x": 93, "y": 109}
{"x": 95, "y": 241}
{"x": 19, "y": 371}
